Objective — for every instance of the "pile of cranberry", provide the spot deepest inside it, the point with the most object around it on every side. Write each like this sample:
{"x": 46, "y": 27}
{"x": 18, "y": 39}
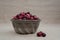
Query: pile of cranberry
{"x": 25, "y": 16}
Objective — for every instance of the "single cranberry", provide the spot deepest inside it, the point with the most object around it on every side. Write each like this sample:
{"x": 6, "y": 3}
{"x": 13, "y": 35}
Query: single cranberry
{"x": 31, "y": 18}
{"x": 27, "y": 16}
{"x": 28, "y": 13}
{"x": 17, "y": 16}
{"x": 20, "y": 17}
{"x": 43, "y": 35}
{"x": 39, "y": 34}
{"x": 35, "y": 17}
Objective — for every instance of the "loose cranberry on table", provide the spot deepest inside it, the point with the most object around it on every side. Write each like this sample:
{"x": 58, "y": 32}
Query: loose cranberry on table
{"x": 41, "y": 34}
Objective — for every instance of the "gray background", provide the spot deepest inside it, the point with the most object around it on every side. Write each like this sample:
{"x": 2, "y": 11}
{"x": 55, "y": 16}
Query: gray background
{"x": 47, "y": 10}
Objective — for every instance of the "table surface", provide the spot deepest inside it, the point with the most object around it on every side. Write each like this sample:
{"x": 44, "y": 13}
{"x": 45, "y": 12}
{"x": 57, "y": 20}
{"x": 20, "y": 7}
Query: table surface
{"x": 52, "y": 31}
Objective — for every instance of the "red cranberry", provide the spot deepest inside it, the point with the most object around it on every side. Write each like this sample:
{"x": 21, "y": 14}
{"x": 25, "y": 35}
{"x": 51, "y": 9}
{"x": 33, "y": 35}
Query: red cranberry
{"x": 28, "y": 16}
{"x": 17, "y": 16}
{"x": 28, "y": 13}
{"x": 20, "y": 17}
{"x": 41, "y": 34}
{"x": 35, "y": 17}
{"x": 32, "y": 18}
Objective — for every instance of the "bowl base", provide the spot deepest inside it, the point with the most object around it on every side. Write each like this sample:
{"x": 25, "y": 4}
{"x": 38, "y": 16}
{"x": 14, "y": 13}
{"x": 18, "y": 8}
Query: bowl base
{"x": 24, "y": 33}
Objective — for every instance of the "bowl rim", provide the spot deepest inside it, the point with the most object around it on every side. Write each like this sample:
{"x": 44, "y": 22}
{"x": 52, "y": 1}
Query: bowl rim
{"x": 26, "y": 20}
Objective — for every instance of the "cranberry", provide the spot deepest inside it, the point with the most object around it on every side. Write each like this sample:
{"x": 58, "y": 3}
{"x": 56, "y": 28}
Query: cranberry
{"x": 28, "y": 13}
{"x": 32, "y": 18}
{"x": 35, "y": 17}
{"x": 25, "y": 16}
{"x": 41, "y": 34}
{"x": 17, "y": 16}
{"x": 20, "y": 17}
{"x": 22, "y": 13}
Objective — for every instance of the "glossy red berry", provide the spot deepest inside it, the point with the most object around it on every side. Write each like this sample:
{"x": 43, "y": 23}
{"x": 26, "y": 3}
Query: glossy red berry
{"x": 41, "y": 34}
{"x": 32, "y": 18}
{"x": 27, "y": 16}
{"x": 17, "y": 16}
{"x": 35, "y": 17}
{"x": 28, "y": 13}
{"x": 20, "y": 17}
